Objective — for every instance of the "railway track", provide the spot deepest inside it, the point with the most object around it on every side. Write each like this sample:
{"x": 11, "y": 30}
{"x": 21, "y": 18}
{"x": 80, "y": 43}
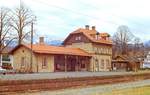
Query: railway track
{"x": 63, "y": 83}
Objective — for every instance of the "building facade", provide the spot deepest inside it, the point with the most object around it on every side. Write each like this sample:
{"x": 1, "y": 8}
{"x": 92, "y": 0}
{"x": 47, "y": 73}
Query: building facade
{"x": 46, "y": 58}
{"x": 83, "y": 50}
{"x": 126, "y": 63}
{"x": 98, "y": 45}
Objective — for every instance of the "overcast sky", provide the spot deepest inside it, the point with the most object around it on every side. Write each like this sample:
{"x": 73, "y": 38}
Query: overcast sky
{"x": 57, "y": 18}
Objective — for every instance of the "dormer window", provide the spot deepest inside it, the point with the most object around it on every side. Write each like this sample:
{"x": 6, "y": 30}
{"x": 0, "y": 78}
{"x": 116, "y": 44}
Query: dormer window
{"x": 78, "y": 38}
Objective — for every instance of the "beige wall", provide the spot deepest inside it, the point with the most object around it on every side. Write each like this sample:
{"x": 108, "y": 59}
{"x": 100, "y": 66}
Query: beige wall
{"x": 99, "y": 65}
{"x": 99, "y": 52}
{"x": 85, "y": 46}
{"x": 50, "y": 63}
{"x": 17, "y": 56}
{"x": 24, "y": 52}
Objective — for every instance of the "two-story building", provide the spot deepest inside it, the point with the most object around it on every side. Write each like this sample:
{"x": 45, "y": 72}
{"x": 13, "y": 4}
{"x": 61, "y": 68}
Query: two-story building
{"x": 83, "y": 50}
{"x": 97, "y": 44}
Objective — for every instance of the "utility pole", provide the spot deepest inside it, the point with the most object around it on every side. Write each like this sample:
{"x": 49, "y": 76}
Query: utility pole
{"x": 31, "y": 60}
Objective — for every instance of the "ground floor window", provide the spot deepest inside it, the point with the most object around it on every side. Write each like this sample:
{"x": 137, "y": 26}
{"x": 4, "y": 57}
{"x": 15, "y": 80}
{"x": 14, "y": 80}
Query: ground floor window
{"x": 102, "y": 63}
{"x": 97, "y": 64}
{"x": 44, "y": 62}
{"x": 108, "y": 65}
{"x": 22, "y": 61}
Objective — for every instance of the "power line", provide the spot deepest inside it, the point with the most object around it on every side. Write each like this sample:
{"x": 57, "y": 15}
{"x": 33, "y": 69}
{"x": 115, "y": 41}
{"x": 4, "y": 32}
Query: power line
{"x": 76, "y": 12}
{"x": 79, "y": 13}
{"x": 89, "y": 5}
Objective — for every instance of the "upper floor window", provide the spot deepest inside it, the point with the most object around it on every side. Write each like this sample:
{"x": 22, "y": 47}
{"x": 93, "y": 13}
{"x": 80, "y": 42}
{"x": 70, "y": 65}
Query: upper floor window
{"x": 96, "y": 49}
{"x": 78, "y": 38}
{"x": 107, "y": 52}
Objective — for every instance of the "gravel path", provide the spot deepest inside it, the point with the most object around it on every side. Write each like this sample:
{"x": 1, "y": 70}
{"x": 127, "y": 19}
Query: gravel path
{"x": 96, "y": 90}
{"x": 58, "y": 75}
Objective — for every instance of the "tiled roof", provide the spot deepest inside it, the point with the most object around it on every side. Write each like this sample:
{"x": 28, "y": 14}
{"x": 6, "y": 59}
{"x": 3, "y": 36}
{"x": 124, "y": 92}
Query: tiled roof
{"x": 85, "y": 31}
{"x": 47, "y": 49}
{"x": 7, "y": 50}
{"x": 127, "y": 58}
{"x": 98, "y": 41}
{"x": 88, "y": 34}
{"x": 104, "y": 34}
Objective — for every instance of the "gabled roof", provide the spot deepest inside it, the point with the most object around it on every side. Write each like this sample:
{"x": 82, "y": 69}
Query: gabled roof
{"x": 47, "y": 49}
{"x": 81, "y": 30}
{"x": 126, "y": 58}
{"x": 6, "y": 50}
{"x": 88, "y": 34}
{"x": 101, "y": 41}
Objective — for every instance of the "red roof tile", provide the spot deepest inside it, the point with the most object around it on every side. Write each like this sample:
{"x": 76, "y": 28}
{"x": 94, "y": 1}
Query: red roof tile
{"x": 47, "y": 49}
{"x": 88, "y": 34}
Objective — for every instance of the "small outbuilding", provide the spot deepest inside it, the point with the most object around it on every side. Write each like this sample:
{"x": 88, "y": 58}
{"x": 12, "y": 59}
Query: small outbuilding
{"x": 125, "y": 63}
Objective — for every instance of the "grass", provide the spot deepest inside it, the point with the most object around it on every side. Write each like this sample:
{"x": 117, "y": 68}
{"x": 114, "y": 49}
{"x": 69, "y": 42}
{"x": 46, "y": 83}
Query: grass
{"x": 132, "y": 91}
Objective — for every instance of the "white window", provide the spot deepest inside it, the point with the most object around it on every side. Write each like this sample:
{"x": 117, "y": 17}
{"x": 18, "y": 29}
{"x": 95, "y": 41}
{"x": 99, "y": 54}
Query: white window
{"x": 78, "y": 38}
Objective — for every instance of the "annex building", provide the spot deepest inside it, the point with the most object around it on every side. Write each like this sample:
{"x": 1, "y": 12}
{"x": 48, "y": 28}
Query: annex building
{"x": 85, "y": 49}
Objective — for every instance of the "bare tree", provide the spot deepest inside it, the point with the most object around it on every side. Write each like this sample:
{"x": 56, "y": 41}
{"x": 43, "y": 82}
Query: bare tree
{"x": 147, "y": 46}
{"x": 121, "y": 39}
{"x": 137, "y": 44}
{"x": 21, "y": 22}
{"x": 5, "y": 30}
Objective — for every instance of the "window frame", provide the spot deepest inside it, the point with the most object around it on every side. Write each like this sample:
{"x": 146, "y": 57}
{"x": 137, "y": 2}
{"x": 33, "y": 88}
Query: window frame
{"x": 23, "y": 61}
{"x": 44, "y": 62}
{"x": 102, "y": 63}
{"x": 78, "y": 38}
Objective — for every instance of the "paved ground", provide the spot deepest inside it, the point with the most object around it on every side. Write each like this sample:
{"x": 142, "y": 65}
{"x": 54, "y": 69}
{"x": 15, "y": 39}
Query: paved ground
{"x": 96, "y": 90}
{"x": 58, "y": 75}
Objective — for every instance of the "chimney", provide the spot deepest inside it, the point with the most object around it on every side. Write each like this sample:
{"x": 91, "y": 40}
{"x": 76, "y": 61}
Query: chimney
{"x": 97, "y": 35}
{"x": 93, "y": 27}
{"x": 87, "y": 27}
{"x": 41, "y": 40}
